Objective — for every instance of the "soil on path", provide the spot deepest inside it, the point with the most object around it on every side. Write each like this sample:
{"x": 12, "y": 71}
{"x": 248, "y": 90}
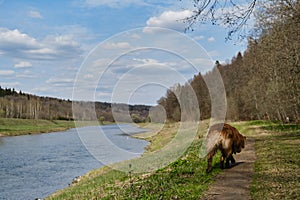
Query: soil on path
{"x": 234, "y": 183}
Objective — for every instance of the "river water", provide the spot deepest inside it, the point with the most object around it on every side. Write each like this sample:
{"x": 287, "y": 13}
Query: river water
{"x": 34, "y": 166}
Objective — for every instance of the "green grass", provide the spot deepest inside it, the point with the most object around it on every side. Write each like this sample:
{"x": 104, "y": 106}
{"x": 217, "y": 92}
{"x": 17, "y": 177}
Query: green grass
{"x": 13, "y": 127}
{"x": 277, "y": 169}
{"x": 166, "y": 134}
{"x": 277, "y": 174}
{"x": 184, "y": 178}
{"x": 257, "y": 123}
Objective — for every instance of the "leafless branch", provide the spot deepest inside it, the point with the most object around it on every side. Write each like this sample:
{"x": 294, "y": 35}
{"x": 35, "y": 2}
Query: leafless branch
{"x": 219, "y": 12}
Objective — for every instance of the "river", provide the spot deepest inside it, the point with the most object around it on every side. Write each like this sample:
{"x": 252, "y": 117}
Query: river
{"x": 35, "y": 166}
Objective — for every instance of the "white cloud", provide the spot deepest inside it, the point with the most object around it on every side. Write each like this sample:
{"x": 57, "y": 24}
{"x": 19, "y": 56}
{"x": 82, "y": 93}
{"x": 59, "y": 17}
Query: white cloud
{"x": 117, "y": 45}
{"x": 211, "y": 39}
{"x": 41, "y": 51}
{"x": 146, "y": 61}
{"x": 26, "y": 74}
{"x": 62, "y": 40}
{"x": 169, "y": 19}
{"x": 35, "y": 14}
{"x": 61, "y": 82}
{"x": 136, "y": 36}
{"x": 23, "y": 64}
{"x": 15, "y": 39}
{"x": 100, "y": 62}
{"x": 6, "y": 72}
{"x": 21, "y": 45}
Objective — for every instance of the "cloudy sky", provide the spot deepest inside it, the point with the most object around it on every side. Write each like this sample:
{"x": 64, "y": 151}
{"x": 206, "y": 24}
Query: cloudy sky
{"x": 104, "y": 50}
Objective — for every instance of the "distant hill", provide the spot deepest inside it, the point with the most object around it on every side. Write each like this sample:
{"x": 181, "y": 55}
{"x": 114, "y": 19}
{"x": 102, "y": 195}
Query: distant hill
{"x": 15, "y": 104}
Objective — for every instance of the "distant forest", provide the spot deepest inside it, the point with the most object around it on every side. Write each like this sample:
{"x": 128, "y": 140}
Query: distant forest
{"x": 15, "y": 104}
{"x": 264, "y": 81}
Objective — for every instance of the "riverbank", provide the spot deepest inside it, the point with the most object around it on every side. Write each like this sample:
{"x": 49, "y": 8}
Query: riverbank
{"x": 15, "y": 127}
{"x": 186, "y": 178}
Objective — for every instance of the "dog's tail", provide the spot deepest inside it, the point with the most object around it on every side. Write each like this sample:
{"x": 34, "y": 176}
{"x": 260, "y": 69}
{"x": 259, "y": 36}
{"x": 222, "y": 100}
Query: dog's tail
{"x": 213, "y": 142}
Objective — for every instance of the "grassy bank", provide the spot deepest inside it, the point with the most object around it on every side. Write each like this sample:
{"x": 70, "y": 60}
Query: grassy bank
{"x": 277, "y": 169}
{"x": 13, "y": 127}
{"x": 183, "y": 179}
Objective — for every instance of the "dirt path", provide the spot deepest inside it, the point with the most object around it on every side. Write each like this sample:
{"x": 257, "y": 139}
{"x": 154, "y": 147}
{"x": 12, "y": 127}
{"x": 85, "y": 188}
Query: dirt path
{"x": 234, "y": 183}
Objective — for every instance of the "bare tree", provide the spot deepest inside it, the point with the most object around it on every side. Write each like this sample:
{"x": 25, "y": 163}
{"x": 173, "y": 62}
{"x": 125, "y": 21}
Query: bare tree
{"x": 229, "y": 13}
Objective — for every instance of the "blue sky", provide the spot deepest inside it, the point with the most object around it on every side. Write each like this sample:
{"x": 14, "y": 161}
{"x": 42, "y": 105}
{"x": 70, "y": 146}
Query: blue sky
{"x": 50, "y": 48}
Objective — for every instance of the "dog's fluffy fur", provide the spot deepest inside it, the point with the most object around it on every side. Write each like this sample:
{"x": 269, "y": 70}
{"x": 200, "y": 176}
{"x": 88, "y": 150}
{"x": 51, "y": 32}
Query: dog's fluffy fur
{"x": 225, "y": 138}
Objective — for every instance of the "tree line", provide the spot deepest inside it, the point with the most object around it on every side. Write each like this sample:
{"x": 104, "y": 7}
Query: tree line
{"x": 264, "y": 81}
{"x": 15, "y": 104}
